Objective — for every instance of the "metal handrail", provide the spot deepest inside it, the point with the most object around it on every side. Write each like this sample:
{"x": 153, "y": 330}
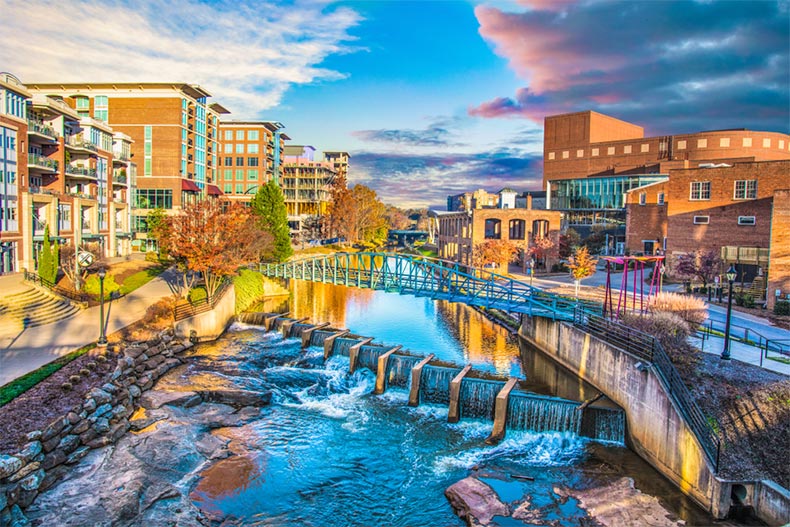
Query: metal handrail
{"x": 182, "y": 311}
{"x": 646, "y": 347}
{"x": 72, "y": 295}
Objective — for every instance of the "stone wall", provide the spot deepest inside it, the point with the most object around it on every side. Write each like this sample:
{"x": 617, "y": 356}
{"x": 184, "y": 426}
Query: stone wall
{"x": 99, "y": 421}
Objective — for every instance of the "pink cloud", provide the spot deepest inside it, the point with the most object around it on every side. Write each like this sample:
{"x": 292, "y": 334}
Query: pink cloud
{"x": 547, "y": 5}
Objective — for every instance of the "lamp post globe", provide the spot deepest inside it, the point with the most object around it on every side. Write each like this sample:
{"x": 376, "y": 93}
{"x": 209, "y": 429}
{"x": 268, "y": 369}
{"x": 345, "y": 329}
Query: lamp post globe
{"x": 731, "y": 275}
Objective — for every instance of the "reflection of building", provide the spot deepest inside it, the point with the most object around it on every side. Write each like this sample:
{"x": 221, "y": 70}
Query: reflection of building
{"x": 504, "y": 199}
{"x": 306, "y": 186}
{"x": 591, "y": 160}
{"x": 174, "y": 133}
{"x": 740, "y": 211}
{"x": 460, "y": 232}
{"x": 251, "y": 155}
{"x": 63, "y": 170}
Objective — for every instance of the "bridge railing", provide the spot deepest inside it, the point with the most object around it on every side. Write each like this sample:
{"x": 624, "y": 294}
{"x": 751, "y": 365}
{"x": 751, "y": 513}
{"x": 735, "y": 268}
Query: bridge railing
{"x": 648, "y": 348}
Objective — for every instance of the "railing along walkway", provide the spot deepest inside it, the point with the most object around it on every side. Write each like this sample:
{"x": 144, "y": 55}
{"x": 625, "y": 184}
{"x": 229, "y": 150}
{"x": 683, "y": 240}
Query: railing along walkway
{"x": 429, "y": 277}
{"x": 203, "y": 305}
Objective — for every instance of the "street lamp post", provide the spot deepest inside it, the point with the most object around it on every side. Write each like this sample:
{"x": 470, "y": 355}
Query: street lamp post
{"x": 731, "y": 275}
{"x": 661, "y": 270}
{"x": 531, "y": 264}
{"x": 102, "y": 338}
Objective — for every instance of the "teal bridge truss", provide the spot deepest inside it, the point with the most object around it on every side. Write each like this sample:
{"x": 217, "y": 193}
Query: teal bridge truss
{"x": 433, "y": 278}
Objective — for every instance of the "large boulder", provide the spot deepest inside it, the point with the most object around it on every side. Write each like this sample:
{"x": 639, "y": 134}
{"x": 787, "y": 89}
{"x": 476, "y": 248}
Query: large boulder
{"x": 157, "y": 398}
{"x": 237, "y": 398}
{"x": 475, "y": 502}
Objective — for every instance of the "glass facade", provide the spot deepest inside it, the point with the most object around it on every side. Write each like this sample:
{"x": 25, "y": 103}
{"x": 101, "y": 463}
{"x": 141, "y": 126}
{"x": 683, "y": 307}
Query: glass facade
{"x": 154, "y": 198}
{"x": 600, "y": 193}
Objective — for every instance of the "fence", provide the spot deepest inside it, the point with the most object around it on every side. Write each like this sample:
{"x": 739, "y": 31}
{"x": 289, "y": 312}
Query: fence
{"x": 648, "y": 348}
{"x": 71, "y": 295}
{"x": 203, "y": 305}
{"x": 747, "y": 336}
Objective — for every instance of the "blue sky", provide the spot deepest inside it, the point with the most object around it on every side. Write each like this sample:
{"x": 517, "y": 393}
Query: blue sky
{"x": 431, "y": 98}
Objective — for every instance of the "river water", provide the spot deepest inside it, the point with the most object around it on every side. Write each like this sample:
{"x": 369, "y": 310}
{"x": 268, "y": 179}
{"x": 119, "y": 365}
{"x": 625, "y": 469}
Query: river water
{"x": 328, "y": 452}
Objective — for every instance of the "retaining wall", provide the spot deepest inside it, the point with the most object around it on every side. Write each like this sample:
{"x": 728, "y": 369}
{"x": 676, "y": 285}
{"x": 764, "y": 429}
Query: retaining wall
{"x": 100, "y": 420}
{"x": 211, "y": 324}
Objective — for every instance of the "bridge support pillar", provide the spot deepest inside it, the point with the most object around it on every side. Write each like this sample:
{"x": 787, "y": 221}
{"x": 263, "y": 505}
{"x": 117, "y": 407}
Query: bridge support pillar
{"x": 454, "y": 412}
{"x": 416, "y": 373}
{"x": 268, "y": 322}
{"x": 288, "y": 326}
{"x": 500, "y": 412}
{"x": 381, "y": 371}
{"x": 307, "y": 333}
{"x": 353, "y": 354}
{"x": 329, "y": 342}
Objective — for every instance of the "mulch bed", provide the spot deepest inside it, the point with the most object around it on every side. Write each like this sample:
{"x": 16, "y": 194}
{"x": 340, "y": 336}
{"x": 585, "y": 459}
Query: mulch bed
{"x": 39, "y": 406}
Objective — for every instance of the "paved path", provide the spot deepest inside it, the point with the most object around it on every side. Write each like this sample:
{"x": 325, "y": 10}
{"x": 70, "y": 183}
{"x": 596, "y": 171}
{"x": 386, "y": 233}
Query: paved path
{"x": 34, "y": 347}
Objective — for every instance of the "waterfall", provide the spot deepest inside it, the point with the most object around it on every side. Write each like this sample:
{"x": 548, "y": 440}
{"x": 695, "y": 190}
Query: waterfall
{"x": 542, "y": 414}
{"x": 342, "y": 345}
{"x": 399, "y": 370}
{"x": 256, "y": 319}
{"x": 296, "y": 329}
{"x": 277, "y": 324}
{"x": 369, "y": 356}
{"x": 435, "y": 384}
{"x": 605, "y": 424}
{"x": 478, "y": 397}
{"x": 318, "y": 336}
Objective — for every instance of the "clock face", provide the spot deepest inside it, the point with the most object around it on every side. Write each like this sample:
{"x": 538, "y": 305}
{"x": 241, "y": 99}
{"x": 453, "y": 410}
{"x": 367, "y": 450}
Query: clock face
{"x": 85, "y": 259}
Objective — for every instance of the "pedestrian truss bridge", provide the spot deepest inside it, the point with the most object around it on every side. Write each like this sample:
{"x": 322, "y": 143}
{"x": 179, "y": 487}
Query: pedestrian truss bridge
{"x": 432, "y": 278}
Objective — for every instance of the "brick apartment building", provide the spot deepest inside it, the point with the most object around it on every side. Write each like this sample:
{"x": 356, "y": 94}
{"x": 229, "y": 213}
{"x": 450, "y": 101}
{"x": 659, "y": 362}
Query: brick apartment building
{"x": 592, "y": 160}
{"x": 174, "y": 134}
{"x": 252, "y": 153}
{"x": 739, "y": 211}
{"x": 62, "y": 170}
{"x": 306, "y": 185}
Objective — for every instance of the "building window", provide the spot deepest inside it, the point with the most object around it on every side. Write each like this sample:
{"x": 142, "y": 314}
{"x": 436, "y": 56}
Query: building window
{"x": 252, "y": 161}
{"x": 702, "y": 143}
{"x": 746, "y": 220}
{"x": 745, "y": 189}
{"x": 239, "y": 148}
{"x": 701, "y": 220}
{"x": 595, "y": 151}
{"x": 228, "y": 148}
{"x": 228, "y": 161}
{"x": 239, "y": 188}
{"x": 239, "y": 135}
{"x": 82, "y": 102}
{"x": 239, "y": 174}
{"x": 681, "y": 145}
{"x": 252, "y": 175}
{"x": 551, "y": 155}
{"x": 100, "y": 108}
{"x": 610, "y": 151}
{"x": 747, "y": 141}
{"x": 645, "y": 148}
{"x": 724, "y": 142}
{"x": 781, "y": 144}
{"x": 228, "y": 188}
{"x": 154, "y": 198}
{"x": 252, "y": 148}
{"x": 660, "y": 198}
{"x": 565, "y": 154}
{"x": 493, "y": 229}
{"x": 252, "y": 135}
{"x": 627, "y": 149}
{"x": 643, "y": 198}
{"x": 227, "y": 174}
{"x": 228, "y": 135}
{"x": 580, "y": 153}
{"x": 517, "y": 229}
{"x": 766, "y": 143}
{"x": 239, "y": 161}
{"x": 700, "y": 190}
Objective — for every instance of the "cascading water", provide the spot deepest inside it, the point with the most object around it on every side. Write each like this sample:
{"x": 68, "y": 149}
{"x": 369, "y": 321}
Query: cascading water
{"x": 541, "y": 414}
{"x": 318, "y": 336}
{"x": 369, "y": 356}
{"x": 604, "y": 424}
{"x": 478, "y": 397}
{"x": 342, "y": 345}
{"x": 399, "y": 370}
{"x": 435, "y": 384}
{"x": 296, "y": 329}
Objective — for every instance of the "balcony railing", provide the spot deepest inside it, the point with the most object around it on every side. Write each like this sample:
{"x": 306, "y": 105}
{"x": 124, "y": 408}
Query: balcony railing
{"x": 40, "y": 190}
{"x": 121, "y": 156}
{"x": 74, "y": 170}
{"x": 80, "y": 195}
{"x": 80, "y": 142}
{"x": 41, "y": 128}
{"x": 38, "y": 160}
{"x": 119, "y": 178}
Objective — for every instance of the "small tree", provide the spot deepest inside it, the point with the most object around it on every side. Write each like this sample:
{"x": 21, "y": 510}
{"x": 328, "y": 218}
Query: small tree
{"x": 496, "y": 252}
{"x": 704, "y": 266}
{"x": 582, "y": 265}
{"x": 157, "y": 227}
{"x": 268, "y": 205}
{"x": 568, "y": 243}
{"x": 541, "y": 248}
{"x": 48, "y": 259}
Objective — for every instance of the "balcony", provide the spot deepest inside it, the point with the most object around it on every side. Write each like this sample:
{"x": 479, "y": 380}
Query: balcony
{"x": 42, "y": 191}
{"x": 79, "y": 144}
{"x": 42, "y": 132}
{"x": 121, "y": 157}
{"x": 75, "y": 171}
{"x": 119, "y": 179}
{"x": 41, "y": 163}
{"x": 80, "y": 195}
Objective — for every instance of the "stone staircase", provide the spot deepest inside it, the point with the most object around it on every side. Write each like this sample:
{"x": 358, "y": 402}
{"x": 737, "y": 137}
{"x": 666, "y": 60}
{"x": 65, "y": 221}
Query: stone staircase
{"x": 30, "y": 308}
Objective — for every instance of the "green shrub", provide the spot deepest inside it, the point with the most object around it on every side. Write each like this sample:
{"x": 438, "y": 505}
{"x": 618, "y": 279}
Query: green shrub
{"x": 249, "y": 288}
{"x": 744, "y": 300}
{"x": 560, "y": 268}
{"x": 782, "y": 307}
{"x": 196, "y": 294}
{"x": 690, "y": 309}
{"x": 92, "y": 285}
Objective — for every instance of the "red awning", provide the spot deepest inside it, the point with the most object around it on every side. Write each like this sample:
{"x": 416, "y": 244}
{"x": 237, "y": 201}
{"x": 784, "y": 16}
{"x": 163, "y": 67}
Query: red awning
{"x": 213, "y": 190}
{"x": 189, "y": 185}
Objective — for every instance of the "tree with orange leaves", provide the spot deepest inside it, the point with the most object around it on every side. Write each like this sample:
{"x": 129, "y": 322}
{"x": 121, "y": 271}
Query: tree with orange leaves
{"x": 203, "y": 238}
{"x": 496, "y": 252}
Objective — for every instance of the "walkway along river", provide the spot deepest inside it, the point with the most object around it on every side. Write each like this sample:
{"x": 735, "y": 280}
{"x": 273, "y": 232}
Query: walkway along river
{"x": 328, "y": 452}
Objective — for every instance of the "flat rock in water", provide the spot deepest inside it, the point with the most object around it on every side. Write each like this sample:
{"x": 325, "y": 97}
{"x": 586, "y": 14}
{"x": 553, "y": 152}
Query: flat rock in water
{"x": 475, "y": 501}
{"x": 237, "y": 398}
{"x": 157, "y": 398}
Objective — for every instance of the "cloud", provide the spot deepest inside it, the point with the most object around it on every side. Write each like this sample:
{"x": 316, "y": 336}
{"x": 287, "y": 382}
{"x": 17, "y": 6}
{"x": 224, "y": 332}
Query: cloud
{"x": 664, "y": 64}
{"x": 246, "y": 53}
{"x": 437, "y": 133}
{"x": 409, "y": 180}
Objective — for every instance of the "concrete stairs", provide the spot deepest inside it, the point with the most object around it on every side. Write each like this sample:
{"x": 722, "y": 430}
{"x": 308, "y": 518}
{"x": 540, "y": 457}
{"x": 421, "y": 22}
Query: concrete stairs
{"x": 30, "y": 308}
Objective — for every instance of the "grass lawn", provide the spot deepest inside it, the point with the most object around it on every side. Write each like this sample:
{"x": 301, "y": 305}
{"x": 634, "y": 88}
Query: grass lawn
{"x": 19, "y": 386}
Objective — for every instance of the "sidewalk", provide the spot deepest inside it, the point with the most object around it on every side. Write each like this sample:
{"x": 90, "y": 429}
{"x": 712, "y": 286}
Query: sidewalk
{"x": 35, "y": 347}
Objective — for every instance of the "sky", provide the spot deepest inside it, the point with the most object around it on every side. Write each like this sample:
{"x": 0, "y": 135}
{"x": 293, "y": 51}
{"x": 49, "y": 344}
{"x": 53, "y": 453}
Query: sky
{"x": 430, "y": 98}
